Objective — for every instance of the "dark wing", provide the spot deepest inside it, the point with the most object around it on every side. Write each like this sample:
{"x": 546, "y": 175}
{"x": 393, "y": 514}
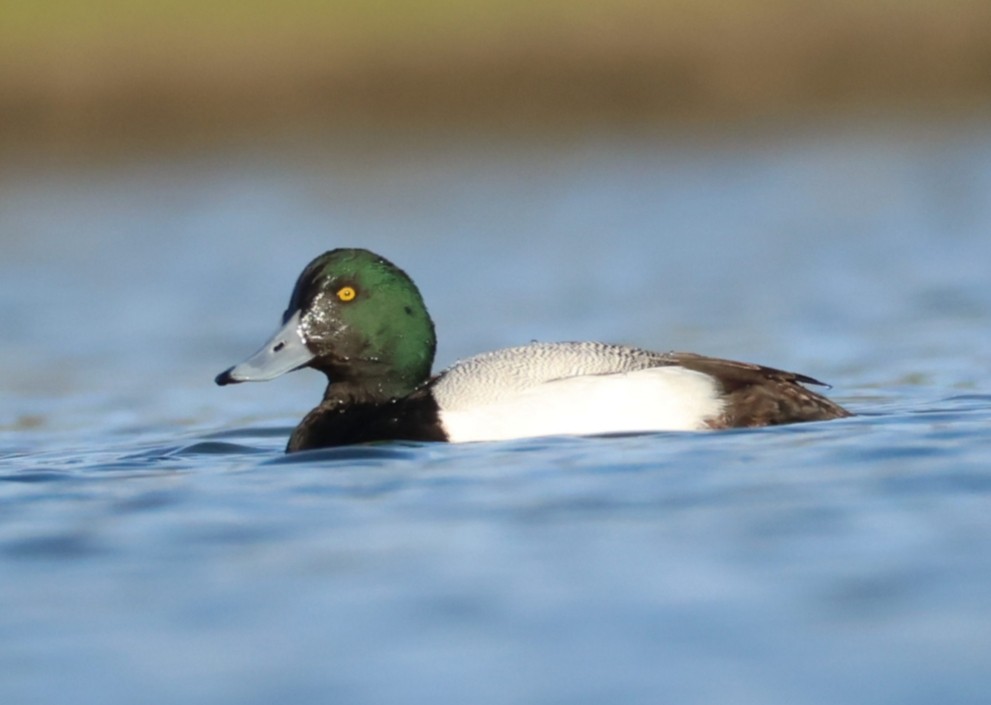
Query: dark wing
{"x": 761, "y": 396}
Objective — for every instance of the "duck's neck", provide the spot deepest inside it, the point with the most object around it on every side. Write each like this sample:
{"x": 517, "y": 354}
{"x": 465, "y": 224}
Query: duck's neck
{"x": 368, "y": 389}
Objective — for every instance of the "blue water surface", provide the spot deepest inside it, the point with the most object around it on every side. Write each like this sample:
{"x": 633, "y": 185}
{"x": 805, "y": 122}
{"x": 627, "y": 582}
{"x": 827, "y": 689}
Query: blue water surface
{"x": 156, "y": 546}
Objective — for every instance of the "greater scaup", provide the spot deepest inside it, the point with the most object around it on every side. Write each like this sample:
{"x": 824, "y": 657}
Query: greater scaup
{"x": 360, "y": 320}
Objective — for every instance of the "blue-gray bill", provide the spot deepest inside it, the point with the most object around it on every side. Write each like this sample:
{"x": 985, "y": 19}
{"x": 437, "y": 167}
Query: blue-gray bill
{"x": 284, "y": 352}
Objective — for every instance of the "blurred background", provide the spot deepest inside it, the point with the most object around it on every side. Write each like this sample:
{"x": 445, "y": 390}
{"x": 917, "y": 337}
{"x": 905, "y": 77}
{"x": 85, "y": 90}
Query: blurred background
{"x": 729, "y": 176}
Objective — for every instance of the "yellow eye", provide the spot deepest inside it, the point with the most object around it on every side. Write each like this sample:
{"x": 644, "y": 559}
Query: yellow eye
{"x": 346, "y": 293}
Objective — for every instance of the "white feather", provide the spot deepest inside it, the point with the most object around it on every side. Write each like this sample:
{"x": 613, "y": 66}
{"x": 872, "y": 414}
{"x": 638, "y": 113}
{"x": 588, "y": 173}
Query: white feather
{"x": 571, "y": 389}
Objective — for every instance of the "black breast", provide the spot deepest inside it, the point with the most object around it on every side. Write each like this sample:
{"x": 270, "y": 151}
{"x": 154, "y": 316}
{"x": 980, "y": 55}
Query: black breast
{"x": 339, "y": 422}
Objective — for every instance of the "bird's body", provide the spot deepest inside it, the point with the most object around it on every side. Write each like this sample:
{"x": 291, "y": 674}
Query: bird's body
{"x": 361, "y": 320}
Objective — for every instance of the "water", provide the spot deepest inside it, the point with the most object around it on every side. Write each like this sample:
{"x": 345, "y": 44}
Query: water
{"x": 157, "y": 547}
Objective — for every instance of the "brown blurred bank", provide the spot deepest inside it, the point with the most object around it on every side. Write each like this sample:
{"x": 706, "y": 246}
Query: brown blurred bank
{"x": 82, "y": 70}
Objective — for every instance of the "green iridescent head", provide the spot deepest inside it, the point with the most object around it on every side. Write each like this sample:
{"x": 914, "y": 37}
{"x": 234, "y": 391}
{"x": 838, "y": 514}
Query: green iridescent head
{"x": 356, "y": 317}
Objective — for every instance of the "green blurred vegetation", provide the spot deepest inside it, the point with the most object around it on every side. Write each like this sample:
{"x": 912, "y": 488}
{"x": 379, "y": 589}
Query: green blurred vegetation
{"x": 87, "y": 68}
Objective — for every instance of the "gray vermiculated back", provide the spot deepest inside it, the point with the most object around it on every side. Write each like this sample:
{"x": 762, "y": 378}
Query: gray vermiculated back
{"x": 501, "y": 373}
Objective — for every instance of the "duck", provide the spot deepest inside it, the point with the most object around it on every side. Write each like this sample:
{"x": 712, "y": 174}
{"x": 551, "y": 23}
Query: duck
{"x": 359, "y": 319}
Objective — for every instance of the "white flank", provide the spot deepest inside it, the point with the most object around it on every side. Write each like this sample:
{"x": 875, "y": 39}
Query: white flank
{"x": 667, "y": 398}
